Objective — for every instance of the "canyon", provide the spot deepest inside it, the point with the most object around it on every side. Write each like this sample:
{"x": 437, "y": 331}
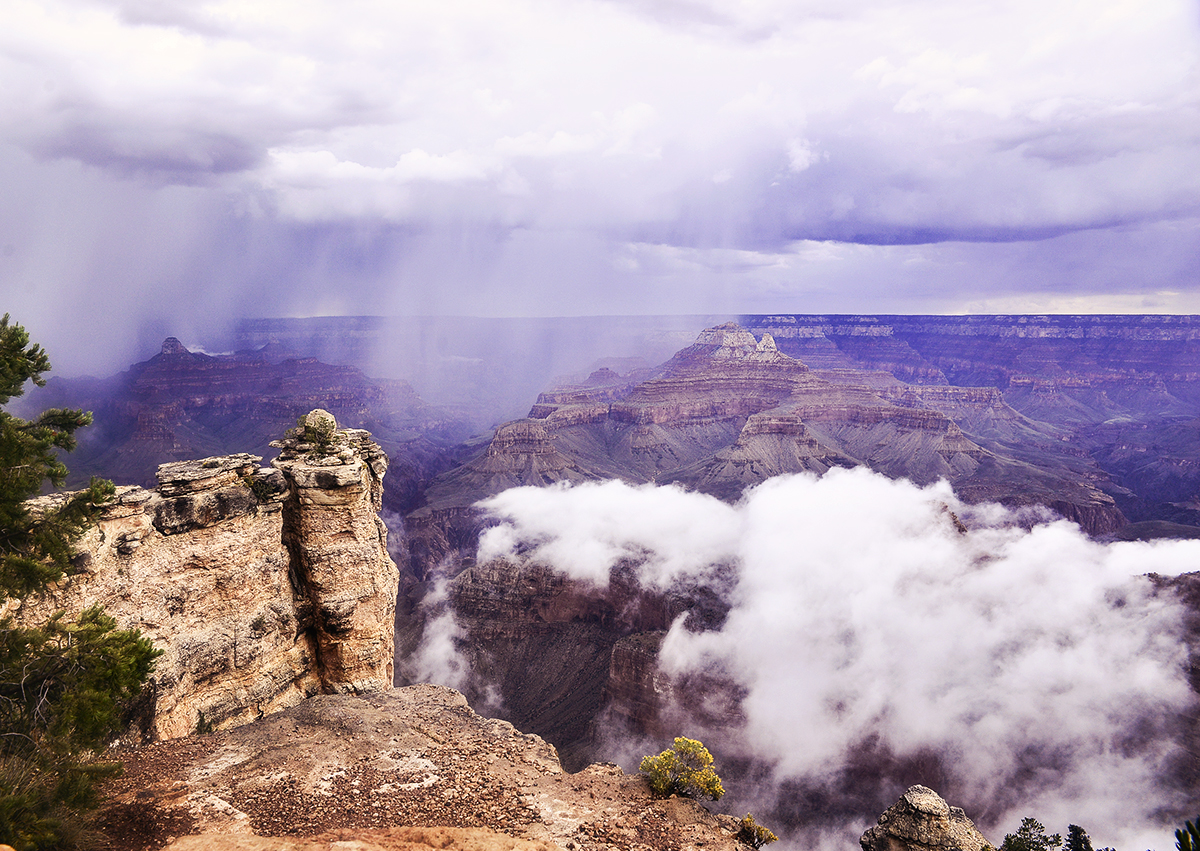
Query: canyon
{"x": 1109, "y": 403}
{"x": 724, "y": 414}
{"x": 180, "y": 405}
{"x": 1090, "y": 418}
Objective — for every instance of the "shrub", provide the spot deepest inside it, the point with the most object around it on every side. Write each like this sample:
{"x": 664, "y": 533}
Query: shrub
{"x": 262, "y": 489}
{"x": 685, "y": 769}
{"x": 754, "y": 834}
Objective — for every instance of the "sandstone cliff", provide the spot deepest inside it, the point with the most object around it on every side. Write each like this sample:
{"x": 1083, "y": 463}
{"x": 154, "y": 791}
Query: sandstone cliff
{"x": 344, "y": 580}
{"x": 262, "y": 586}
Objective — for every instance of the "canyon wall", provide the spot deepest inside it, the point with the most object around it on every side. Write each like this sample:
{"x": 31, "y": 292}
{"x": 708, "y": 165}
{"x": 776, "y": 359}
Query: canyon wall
{"x": 732, "y": 410}
{"x": 262, "y": 586}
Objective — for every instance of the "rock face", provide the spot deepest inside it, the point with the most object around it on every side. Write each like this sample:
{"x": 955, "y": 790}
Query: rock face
{"x": 731, "y": 411}
{"x": 345, "y": 580}
{"x": 262, "y": 586}
{"x": 415, "y": 756}
{"x": 547, "y": 642}
{"x": 922, "y": 821}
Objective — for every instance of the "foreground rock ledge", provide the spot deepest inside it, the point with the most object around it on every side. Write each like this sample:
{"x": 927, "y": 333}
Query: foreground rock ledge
{"x": 414, "y": 757}
{"x": 391, "y": 839}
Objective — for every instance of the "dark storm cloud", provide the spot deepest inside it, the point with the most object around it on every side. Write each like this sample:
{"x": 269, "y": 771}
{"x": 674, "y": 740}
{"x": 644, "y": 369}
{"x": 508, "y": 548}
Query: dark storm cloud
{"x": 578, "y": 157}
{"x": 177, "y": 157}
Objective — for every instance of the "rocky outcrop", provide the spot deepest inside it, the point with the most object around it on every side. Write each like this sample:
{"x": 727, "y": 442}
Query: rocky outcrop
{"x": 262, "y": 586}
{"x": 345, "y": 580}
{"x": 922, "y": 821}
{"x": 415, "y": 756}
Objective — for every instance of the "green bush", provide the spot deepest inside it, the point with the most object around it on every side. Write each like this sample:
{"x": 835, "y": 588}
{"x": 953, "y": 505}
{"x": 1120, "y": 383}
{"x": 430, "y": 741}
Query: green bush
{"x": 262, "y": 489}
{"x": 753, "y": 834}
{"x": 685, "y": 769}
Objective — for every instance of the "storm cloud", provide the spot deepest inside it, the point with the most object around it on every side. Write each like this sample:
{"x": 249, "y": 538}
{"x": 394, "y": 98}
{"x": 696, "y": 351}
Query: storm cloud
{"x": 274, "y": 158}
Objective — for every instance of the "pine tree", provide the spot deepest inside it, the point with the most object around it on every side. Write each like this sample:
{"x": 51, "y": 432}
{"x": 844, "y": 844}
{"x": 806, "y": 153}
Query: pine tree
{"x": 62, "y": 684}
{"x": 1077, "y": 839}
{"x": 1030, "y": 836}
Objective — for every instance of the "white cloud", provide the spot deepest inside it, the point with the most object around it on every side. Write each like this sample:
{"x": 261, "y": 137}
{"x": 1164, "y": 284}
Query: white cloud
{"x": 861, "y": 611}
{"x": 800, "y": 155}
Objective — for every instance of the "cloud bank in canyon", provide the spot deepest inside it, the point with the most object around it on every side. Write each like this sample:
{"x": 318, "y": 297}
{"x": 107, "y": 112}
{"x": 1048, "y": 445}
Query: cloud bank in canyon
{"x": 1041, "y": 668}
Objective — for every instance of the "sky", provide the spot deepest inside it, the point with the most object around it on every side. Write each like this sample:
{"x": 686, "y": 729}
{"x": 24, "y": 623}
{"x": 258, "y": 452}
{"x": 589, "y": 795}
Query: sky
{"x": 179, "y": 163}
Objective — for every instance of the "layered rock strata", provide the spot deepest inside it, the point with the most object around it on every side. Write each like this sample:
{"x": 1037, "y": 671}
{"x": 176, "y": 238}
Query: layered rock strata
{"x": 262, "y": 586}
{"x": 731, "y": 410}
{"x": 344, "y": 579}
{"x": 1117, "y": 394}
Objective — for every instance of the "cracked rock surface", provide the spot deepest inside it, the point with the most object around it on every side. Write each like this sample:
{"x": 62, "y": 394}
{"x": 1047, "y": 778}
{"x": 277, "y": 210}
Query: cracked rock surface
{"x": 922, "y": 821}
{"x": 341, "y": 768}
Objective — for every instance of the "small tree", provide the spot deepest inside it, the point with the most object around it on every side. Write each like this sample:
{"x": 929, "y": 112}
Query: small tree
{"x": 1030, "y": 836}
{"x": 685, "y": 769}
{"x": 62, "y": 684}
{"x": 1077, "y": 839}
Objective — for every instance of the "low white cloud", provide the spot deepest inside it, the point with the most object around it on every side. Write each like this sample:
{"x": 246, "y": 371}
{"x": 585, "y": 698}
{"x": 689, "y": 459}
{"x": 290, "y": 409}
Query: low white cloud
{"x": 438, "y": 658}
{"x": 800, "y": 155}
{"x": 1039, "y": 665}
{"x": 314, "y": 166}
{"x": 575, "y": 530}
